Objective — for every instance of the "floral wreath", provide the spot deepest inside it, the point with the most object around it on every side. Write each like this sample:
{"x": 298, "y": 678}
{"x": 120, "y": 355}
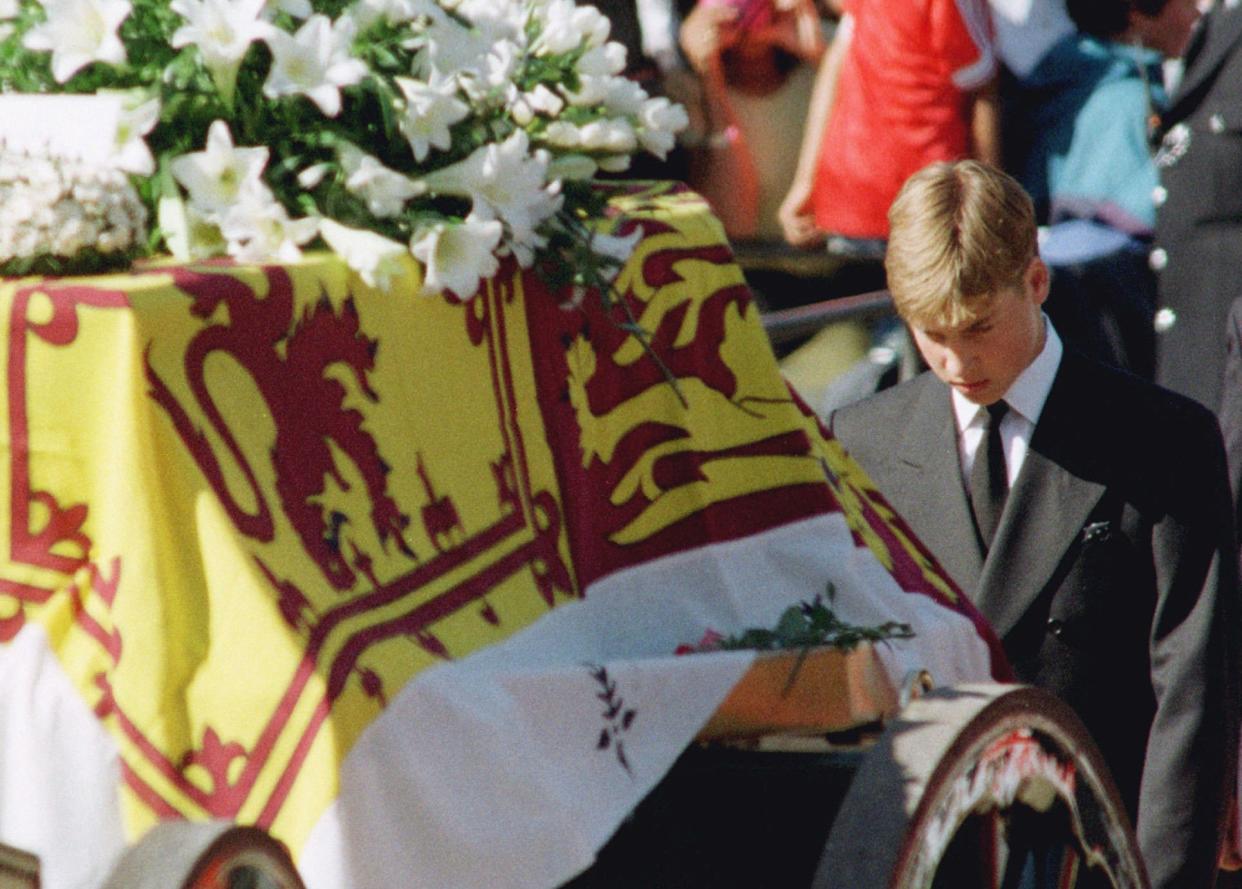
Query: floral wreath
{"x": 452, "y": 132}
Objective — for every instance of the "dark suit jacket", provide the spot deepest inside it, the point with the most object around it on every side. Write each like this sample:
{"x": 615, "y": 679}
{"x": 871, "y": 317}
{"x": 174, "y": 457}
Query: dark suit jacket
{"x": 1199, "y": 223}
{"x": 1110, "y": 582}
{"x": 1231, "y": 406}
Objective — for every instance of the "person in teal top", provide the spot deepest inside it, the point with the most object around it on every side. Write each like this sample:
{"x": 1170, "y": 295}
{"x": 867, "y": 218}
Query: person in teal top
{"x": 1082, "y": 129}
{"x": 1088, "y": 157}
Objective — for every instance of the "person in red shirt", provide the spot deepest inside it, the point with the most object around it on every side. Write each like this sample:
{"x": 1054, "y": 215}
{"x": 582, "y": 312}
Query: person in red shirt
{"x": 904, "y": 84}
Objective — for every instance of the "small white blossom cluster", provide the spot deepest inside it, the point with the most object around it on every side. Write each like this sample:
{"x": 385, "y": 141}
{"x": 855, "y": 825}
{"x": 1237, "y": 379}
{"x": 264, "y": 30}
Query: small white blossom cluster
{"x": 493, "y": 109}
{"x": 59, "y": 207}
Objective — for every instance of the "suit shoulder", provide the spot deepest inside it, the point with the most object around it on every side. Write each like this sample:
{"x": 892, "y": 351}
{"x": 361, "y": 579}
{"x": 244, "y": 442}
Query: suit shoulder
{"x": 1130, "y": 403}
{"x": 1160, "y": 440}
{"x": 885, "y": 411}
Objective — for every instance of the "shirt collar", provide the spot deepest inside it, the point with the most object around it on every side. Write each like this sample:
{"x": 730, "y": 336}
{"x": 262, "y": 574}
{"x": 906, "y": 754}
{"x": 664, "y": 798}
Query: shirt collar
{"x": 1029, "y": 391}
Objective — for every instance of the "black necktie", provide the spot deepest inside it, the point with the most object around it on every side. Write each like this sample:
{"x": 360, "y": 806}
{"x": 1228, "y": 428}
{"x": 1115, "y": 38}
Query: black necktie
{"x": 989, "y": 483}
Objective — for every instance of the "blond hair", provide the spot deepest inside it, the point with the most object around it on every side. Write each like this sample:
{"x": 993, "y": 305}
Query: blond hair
{"x": 959, "y": 233}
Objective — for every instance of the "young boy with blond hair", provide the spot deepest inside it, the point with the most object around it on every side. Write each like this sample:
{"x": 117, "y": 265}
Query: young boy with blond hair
{"x": 1086, "y": 512}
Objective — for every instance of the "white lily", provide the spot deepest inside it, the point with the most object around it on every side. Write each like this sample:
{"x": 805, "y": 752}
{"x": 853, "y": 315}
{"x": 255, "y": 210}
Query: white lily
{"x": 315, "y": 62}
{"x": 79, "y": 32}
{"x": 223, "y": 31}
{"x": 659, "y": 122}
{"x": 613, "y": 135}
{"x": 593, "y": 89}
{"x": 456, "y": 256}
{"x": 562, "y": 134}
{"x": 499, "y": 21}
{"x": 540, "y": 100}
{"x": 429, "y": 110}
{"x": 617, "y": 247}
{"x": 379, "y": 261}
{"x": 505, "y": 181}
{"x": 384, "y": 190}
{"x": 567, "y": 26}
{"x": 258, "y": 229}
{"x": 131, "y": 153}
{"x": 607, "y": 59}
{"x": 218, "y": 176}
{"x": 187, "y": 232}
{"x": 624, "y": 96}
{"x": 449, "y": 47}
{"x": 395, "y": 12}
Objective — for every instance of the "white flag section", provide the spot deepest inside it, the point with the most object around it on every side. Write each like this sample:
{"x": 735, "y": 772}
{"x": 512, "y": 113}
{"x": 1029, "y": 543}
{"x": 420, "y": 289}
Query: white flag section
{"x": 510, "y": 767}
{"x": 60, "y": 775}
{"x": 489, "y": 771}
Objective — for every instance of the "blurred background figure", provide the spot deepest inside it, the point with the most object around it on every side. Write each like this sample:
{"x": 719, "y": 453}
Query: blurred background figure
{"x": 1199, "y": 222}
{"x": 755, "y": 63}
{"x": 1080, "y": 123}
{"x": 1024, "y": 31}
{"x": 903, "y": 84}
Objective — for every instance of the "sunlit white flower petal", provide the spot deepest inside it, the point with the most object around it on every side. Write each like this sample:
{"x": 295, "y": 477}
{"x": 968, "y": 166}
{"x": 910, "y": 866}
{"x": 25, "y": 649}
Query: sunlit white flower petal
{"x": 79, "y": 32}
{"x": 379, "y": 261}
{"x": 217, "y": 176}
{"x": 592, "y": 90}
{"x": 131, "y": 153}
{"x": 624, "y": 96}
{"x": 616, "y": 247}
{"x": 506, "y": 181}
{"x": 603, "y": 60}
{"x": 188, "y": 233}
{"x": 222, "y": 30}
{"x": 315, "y": 62}
{"x": 395, "y": 12}
{"x": 659, "y": 122}
{"x": 456, "y": 256}
{"x": 562, "y": 134}
{"x": 258, "y": 229}
{"x": 9, "y": 8}
{"x": 429, "y": 110}
{"x": 612, "y": 135}
{"x": 384, "y": 190}
{"x": 540, "y": 100}
{"x": 450, "y": 48}
{"x": 500, "y": 21}
{"x": 310, "y": 177}
{"x": 567, "y": 26}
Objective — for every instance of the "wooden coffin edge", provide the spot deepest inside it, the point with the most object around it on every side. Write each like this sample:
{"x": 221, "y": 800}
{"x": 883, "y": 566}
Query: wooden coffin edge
{"x": 831, "y": 691}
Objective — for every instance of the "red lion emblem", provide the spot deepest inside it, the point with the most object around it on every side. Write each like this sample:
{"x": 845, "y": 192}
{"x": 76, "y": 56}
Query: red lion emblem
{"x": 307, "y": 408}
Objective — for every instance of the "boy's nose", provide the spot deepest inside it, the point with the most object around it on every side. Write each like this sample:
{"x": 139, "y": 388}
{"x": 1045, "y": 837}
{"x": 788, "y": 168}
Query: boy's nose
{"x": 955, "y": 363}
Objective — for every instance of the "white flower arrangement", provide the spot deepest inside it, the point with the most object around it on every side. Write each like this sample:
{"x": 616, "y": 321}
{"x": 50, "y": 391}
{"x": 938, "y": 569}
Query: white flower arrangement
{"x": 64, "y": 209}
{"x": 453, "y": 132}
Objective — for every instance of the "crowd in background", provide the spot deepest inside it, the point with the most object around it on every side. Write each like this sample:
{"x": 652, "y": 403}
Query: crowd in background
{"x": 807, "y": 115}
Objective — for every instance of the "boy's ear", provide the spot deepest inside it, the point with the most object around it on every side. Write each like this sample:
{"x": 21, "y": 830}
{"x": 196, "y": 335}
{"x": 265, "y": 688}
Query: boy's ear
{"x": 1037, "y": 280}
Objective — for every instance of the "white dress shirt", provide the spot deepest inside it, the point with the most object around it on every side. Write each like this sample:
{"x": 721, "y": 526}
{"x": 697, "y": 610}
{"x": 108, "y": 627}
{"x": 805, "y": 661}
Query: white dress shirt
{"x": 1025, "y": 398}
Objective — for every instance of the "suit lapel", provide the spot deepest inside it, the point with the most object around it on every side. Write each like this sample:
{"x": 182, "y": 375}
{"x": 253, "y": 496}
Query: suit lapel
{"x": 1220, "y": 29}
{"x": 1046, "y": 510}
{"x": 938, "y": 510}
